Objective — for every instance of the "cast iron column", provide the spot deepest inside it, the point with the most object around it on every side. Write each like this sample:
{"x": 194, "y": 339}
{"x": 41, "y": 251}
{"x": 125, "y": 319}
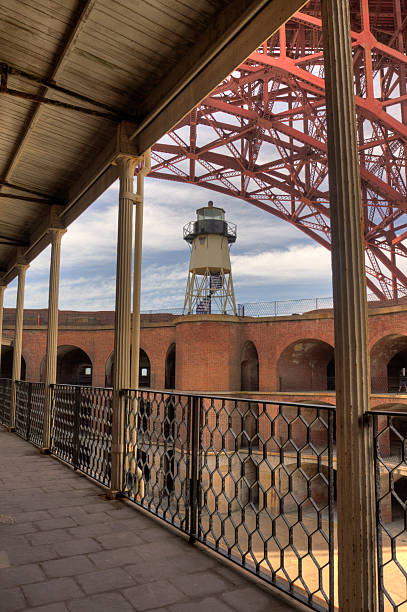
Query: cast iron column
{"x": 2, "y": 290}
{"x": 121, "y": 369}
{"x": 355, "y": 504}
{"x": 18, "y": 340}
{"x": 52, "y": 332}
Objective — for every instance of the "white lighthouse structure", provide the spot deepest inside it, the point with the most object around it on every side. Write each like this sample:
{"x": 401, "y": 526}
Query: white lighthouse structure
{"x": 210, "y": 286}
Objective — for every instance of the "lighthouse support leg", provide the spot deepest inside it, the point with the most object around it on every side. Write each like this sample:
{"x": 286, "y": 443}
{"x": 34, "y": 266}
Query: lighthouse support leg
{"x": 355, "y": 506}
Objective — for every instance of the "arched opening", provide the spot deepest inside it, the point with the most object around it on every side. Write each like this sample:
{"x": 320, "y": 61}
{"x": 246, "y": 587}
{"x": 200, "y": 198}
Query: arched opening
{"x": 170, "y": 367}
{"x": 109, "y": 370}
{"x": 397, "y": 373}
{"x": 388, "y": 363}
{"x": 144, "y": 370}
{"x": 303, "y": 366}
{"x": 6, "y": 369}
{"x": 74, "y": 366}
{"x": 249, "y": 368}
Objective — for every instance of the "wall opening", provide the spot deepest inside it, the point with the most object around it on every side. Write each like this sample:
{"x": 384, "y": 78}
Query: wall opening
{"x": 6, "y": 369}
{"x": 303, "y": 366}
{"x": 74, "y": 366}
{"x": 388, "y": 364}
{"x": 144, "y": 370}
{"x": 330, "y": 375}
{"x": 397, "y": 373}
{"x": 170, "y": 361}
{"x": 249, "y": 368}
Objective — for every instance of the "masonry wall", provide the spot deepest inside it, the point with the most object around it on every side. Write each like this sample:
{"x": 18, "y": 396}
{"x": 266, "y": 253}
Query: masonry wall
{"x": 209, "y": 349}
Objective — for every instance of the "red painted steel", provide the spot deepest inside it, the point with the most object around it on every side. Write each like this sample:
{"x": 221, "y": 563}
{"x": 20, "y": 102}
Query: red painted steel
{"x": 261, "y": 135}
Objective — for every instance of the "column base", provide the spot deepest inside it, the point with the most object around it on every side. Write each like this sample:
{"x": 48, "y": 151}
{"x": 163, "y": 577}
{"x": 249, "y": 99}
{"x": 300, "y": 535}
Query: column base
{"x": 113, "y": 494}
{"x": 11, "y": 429}
{"x": 45, "y": 451}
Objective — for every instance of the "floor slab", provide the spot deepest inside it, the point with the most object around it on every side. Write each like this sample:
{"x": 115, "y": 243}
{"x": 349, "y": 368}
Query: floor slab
{"x": 65, "y": 548}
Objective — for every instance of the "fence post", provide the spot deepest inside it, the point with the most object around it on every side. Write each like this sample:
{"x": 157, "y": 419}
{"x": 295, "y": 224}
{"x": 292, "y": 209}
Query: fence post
{"x": 76, "y": 427}
{"x": 194, "y": 481}
{"x": 28, "y": 423}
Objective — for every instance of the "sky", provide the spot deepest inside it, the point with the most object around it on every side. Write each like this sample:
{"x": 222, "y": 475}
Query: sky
{"x": 271, "y": 260}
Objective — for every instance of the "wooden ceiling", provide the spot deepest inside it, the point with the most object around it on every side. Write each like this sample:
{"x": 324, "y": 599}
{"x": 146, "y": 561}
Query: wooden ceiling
{"x": 74, "y": 73}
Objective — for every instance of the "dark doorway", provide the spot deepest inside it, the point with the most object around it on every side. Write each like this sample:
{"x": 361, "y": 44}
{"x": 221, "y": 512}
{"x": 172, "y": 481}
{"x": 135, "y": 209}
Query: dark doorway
{"x": 397, "y": 373}
{"x": 74, "y": 366}
{"x": 249, "y": 368}
{"x": 144, "y": 370}
{"x": 6, "y": 370}
{"x": 330, "y": 375}
{"x": 170, "y": 368}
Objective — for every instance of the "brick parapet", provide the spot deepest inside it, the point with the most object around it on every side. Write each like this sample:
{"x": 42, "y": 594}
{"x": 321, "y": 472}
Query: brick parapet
{"x": 209, "y": 347}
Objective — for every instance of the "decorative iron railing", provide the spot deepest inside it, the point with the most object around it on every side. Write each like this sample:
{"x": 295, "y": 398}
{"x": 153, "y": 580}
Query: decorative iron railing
{"x": 252, "y": 480}
{"x": 81, "y": 429}
{"x": 390, "y": 443}
{"x": 30, "y": 410}
{"x": 5, "y": 401}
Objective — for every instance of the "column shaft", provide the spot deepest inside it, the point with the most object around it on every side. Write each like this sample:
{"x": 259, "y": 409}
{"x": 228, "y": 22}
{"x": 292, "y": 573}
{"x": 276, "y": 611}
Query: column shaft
{"x": 2, "y": 290}
{"x": 355, "y": 492}
{"x": 52, "y": 331}
{"x": 121, "y": 370}
{"x": 18, "y": 340}
{"x": 138, "y": 249}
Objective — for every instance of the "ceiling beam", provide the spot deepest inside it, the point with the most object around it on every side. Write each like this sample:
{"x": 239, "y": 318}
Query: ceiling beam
{"x": 58, "y": 64}
{"x": 231, "y": 37}
{"x": 26, "y": 198}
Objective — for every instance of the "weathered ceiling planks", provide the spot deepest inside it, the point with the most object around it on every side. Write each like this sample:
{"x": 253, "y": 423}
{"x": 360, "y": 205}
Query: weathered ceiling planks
{"x": 152, "y": 60}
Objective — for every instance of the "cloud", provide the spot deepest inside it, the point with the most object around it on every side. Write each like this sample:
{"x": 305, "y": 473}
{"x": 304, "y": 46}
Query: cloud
{"x": 309, "y": 263}
{"x": 270, "y": 256}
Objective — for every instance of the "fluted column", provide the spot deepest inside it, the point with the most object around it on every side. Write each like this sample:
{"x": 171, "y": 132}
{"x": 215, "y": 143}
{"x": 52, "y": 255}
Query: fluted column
{"x": 2, "y": 290}
{"x": 138, "y": 249}
{"x": 52, "y": 331}
{"x": 121, "y": 369}
{"x": 355, "y": 507}
{"x": 18, "y": 340}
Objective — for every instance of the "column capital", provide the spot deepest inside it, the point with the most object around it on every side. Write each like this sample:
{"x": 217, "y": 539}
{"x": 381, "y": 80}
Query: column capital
{"x": 127, "y": 163}
{"x": 21, "y": 266}
{"x": 56, "y": 233}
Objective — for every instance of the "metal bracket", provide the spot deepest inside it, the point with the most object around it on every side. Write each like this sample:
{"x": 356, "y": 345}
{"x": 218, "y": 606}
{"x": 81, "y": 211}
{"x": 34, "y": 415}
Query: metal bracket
{"x": 135, "y": 197}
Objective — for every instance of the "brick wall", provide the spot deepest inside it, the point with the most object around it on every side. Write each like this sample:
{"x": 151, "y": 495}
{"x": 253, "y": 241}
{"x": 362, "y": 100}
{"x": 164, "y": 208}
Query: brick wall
{"x": 210, "y": 349}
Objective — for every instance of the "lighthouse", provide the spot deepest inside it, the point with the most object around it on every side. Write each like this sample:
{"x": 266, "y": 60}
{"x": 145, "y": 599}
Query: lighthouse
{"x": 210, "y": 285}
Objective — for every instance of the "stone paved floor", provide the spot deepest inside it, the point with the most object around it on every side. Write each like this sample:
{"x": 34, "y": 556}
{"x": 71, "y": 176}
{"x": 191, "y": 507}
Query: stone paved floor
{"x": 64, "y": 547}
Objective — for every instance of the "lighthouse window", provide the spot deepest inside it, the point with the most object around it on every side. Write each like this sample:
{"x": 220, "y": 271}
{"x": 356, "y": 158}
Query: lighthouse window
{"x": 211, "y": 213}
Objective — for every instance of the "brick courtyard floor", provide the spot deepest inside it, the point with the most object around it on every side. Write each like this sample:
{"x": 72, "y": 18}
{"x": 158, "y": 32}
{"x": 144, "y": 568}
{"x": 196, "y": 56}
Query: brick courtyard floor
{"x": 64, "y": 547}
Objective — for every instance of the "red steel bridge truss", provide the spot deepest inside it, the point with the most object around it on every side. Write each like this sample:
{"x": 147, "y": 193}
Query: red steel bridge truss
{"x": 261, "y": 135}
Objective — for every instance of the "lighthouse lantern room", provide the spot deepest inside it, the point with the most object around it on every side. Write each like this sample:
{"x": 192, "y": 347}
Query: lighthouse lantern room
{"x": 210, "y": 286}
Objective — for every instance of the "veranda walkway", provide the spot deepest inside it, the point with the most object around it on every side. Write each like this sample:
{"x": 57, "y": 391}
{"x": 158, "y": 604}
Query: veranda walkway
{"x": 64, "y": 547}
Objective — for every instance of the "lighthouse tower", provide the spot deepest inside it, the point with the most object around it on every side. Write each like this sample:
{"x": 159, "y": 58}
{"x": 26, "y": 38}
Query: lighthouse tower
{"x": 210, "y": 286}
